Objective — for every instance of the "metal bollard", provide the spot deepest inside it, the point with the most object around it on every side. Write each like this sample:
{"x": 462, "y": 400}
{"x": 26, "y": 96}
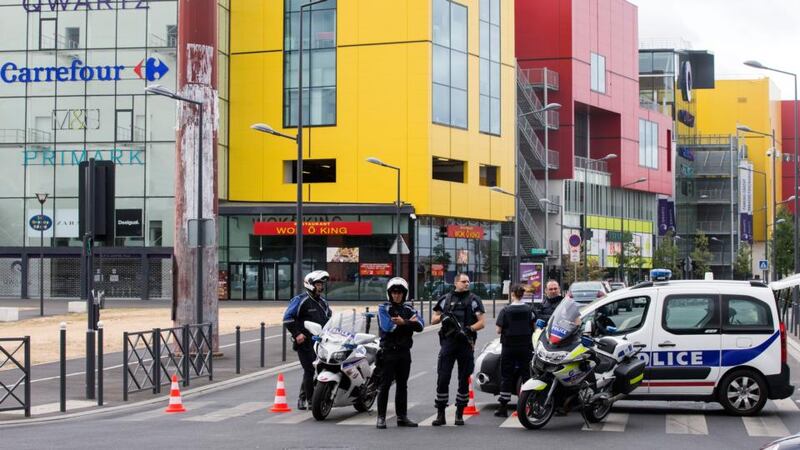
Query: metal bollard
{"x": 430, "y": 310}
{"x": 238, "y": 348}
{"x": 156, "y": 343}
{"x": 90, "y": 349}
{"x": 63, "y": 367}
{"x": 494, "y": 307}
{"x": 100, "y": 363}
{"x": 125, "y": 366}
{"x": 263, "y": 343}
{"x": 369, "y": 319}
{"x": 283, "y": 351}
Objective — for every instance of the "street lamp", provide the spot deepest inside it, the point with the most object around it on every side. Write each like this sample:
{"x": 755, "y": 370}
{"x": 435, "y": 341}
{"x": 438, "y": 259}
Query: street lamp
{"x": 585, "y": 227}
{"x": 42, "y": 197}
{"x": 398, "y": 239}
{"x": 298, "y": 237}
{"x": 758, "y": 65}
{"x": 156, "y": 89}
{"x": 772, "y": 153}
{"x": 622, "y": 229}
{"x": 722, "y": 245}
{"x": 515, "y": 262}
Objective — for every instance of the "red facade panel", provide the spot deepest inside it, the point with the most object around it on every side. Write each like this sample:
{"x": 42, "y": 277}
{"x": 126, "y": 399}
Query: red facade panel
{"x": 561, "y": 35}
{"x": 788, "y": 145}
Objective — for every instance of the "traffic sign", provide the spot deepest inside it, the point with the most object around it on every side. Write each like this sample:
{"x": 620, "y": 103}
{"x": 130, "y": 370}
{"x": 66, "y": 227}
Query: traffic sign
{"x": 403, "y": 247}
{"x": 763, "y": 264}
{"x": 575, "y": 240}
{"x": 538, "y": 252}
{"x": 574, "y": 254}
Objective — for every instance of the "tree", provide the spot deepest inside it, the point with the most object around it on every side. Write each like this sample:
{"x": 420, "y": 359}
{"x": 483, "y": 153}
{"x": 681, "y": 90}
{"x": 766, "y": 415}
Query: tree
{"x": 783, "y": 244}
{"x": 574, "y": 271}
{"x": 742, "y": 265}
{"x": 666, "y": 255}
{"x": 633, "y": 257}
{"x": 701, "y": 256}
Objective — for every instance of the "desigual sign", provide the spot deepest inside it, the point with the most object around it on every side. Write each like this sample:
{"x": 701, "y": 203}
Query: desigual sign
{"x": 150, "y": 69}
{"x": 82, "y": 5}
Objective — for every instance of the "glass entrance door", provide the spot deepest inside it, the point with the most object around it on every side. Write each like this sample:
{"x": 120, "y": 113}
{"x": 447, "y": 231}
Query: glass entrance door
{"x": 261, "y": 281}
{"x": 236, "y": 280}
{"x": 284, "y": 278}
{"x": 252, "y": 281}
{"x": 268, "y": 281}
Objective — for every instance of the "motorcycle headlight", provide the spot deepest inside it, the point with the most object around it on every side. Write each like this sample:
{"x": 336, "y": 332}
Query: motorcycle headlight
{"x": 322, "y": 352}
{"x": 340, "y": 356}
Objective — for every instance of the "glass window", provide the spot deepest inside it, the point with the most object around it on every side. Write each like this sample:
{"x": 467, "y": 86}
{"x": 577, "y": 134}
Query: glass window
{"x": 626, "y": 315}
{"x": 448, "y": 170}
{"x": 747, "y": 314}
{"x": 691, "y": 314}
{"x": 648, "y": 144}
{"x": 490, "y": 68}
{"x": 450, "y": 71}
{"x": 319, "y": 63}
{"x": 598, "y": 73}
{"x": 489, "y": 175}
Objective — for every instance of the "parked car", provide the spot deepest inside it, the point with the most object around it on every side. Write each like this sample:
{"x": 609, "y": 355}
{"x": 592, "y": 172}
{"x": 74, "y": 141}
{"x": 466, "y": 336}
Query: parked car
{"x": 588, "y": 291}
{"x": 616, "y": 285}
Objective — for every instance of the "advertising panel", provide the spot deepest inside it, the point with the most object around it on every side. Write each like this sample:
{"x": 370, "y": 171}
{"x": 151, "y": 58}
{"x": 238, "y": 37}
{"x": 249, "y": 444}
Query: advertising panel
{"x": 531, "y": 277}
{"x": 342, "y": 254}
{"x": 313, "y": 228}
{"x": 375, "y": 269}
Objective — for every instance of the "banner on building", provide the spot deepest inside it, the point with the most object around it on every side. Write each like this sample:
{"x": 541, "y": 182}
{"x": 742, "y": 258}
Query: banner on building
{"x": 666, "y": 216}
{"x": 437, "y": 270}
{"x": 746, "y": 227}
{"x": 532, "y": 279}
{"x": 342, "y": 254}
{"x": 313, "y": 228}
{"x": 745, "y": 187}
{"x": 128, "y": 223}
{"x": 465, "y": 232}
{"x": 375, "y": 269}
{"x": 65, "y": 223}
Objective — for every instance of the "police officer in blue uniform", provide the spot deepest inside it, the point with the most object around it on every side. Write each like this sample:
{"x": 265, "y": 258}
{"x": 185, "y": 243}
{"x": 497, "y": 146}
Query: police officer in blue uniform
{"x": 311, "y": 306}
{"x": 398, "y": 321}
{"x": 515, "y": 325}
{"x": 461, "y": 315}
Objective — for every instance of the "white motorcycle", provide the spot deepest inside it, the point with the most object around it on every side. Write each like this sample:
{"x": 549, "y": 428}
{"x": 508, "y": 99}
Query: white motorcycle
{"x": 345, "y": 364}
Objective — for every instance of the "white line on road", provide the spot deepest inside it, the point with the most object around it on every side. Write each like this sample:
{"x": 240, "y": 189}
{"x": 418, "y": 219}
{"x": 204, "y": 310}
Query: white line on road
{"x": 370, "y": 417}
{"x": 229, "y": 413}
{"x": 786, "y": 405}
{"x": 765, "y": 426}
{"x": 53, "y": 407}
{"x": 292, "y": 418}
{"x": 156, "y": 413}
{"x": 686, "y": 424}
{"x": 450, "y": 415}
{"x": 613, "y": 422}
{"x": 417, "y": 375}
{"x": 511, "y": 422}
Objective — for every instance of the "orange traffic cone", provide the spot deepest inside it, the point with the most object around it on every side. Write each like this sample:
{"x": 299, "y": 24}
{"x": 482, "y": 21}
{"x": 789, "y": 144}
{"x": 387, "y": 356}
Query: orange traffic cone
{"x": 280, "y": 405}
{"x": 175, "y": 402}
{"x": 471, "y": 410}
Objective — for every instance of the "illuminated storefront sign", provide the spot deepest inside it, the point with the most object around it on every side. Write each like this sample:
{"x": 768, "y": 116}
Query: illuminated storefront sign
{"x": 75, "y": 157}
{"x": 313, "y": 228}
{"x": 464, "y": 232}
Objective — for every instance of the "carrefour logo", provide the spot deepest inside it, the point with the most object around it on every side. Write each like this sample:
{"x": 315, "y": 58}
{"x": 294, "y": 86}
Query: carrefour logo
{"x": 150, "y": 69}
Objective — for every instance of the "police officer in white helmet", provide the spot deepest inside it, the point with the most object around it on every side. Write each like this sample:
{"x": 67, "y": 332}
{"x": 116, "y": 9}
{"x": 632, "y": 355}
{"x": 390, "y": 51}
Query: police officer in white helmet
{"x": 311, "y": 306}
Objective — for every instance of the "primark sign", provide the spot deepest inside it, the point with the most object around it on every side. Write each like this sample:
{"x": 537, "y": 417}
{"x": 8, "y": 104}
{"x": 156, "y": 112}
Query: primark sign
{"x": 150, "y": 69}
{"x": 81, "y": 5}
{"x": 122, "y": 157}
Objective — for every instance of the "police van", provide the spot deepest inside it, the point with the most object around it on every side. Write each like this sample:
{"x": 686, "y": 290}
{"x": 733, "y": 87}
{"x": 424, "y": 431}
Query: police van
{"x": 705, "y": 340}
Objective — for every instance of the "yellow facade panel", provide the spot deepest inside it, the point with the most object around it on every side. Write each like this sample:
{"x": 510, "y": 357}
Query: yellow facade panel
{"x": 256, "y": 26}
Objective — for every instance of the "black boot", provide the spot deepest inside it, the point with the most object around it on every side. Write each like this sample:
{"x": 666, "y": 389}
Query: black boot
{"x": 381, "y": 425}
{"x": 301, "y": 404}
{"x": 459, "y": 415}
{"x": 404, "y": 421}
{"x": 502, "y": 410}
{"x": 440, "y": 420}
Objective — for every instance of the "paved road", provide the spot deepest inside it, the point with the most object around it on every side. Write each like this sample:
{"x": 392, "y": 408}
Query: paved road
{"x": 239, "y": 418}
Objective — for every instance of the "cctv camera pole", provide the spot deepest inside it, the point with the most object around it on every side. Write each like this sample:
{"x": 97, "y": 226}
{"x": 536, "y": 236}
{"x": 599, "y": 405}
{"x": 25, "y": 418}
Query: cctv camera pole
{"x": 195, "y": 297}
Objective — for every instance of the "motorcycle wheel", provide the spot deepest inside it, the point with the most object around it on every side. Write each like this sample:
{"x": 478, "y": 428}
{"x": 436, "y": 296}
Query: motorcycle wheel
{"x": 322, "y": 401}
{"x": 530, "y": 411}
{"x": 365, "y": 402}
{"x": 596, "y": 412}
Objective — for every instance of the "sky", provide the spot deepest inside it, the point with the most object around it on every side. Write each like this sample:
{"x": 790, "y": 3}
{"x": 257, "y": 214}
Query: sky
{"x": 767, "y": 31}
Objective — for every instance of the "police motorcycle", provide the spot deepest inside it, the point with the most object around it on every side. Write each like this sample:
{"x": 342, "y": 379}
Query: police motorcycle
{"x": 345, "y": 364}
{"x": 571, "y": 369}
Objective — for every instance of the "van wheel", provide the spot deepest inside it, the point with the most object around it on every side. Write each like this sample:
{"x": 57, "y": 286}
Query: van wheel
{"x": 743, "y": 393}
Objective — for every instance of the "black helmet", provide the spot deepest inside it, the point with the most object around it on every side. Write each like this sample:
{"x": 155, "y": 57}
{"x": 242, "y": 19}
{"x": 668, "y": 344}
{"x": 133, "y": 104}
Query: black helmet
{"x": 397, "y": 283}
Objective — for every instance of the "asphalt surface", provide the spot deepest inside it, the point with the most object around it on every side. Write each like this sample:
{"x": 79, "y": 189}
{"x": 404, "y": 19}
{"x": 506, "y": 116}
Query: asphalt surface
{"x": 238, "y": 417}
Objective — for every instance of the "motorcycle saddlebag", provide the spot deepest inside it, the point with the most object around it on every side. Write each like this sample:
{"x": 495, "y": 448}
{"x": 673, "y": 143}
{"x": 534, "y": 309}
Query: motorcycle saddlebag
{"x": 629, "y": 376}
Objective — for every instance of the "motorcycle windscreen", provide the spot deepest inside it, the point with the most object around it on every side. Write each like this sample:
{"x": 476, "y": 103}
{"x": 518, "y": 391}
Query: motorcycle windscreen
{"x": 565, "y": 322}
{"x": 343, "y": 326}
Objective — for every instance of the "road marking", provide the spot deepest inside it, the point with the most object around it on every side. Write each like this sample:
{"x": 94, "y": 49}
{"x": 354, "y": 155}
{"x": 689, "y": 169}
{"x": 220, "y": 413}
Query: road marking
{"x": 686, "y": 424}
{"x": 765, "y": 426}
{"x": 55, "y": 407}
{"x": 369, "y": 417}
{"x": 229, "y": 413}
{"x": 786, "y": 405}
{"x": 155, "y": 413}
{"x": 417, "y": 375}
{"x": 613, "y": 422}
{"x": 450, "y": 415}
{"x": 292, "y": 418}
{"x": 511, "y": 422}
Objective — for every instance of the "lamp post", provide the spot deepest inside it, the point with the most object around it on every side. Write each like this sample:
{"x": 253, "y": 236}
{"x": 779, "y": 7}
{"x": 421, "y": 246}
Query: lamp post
{"x": 515, "y": 262}
{"x": 722, "y": 253}
{"x": 398, "y": 239}
{"x": 585, "y": 227}
{"x": 264, "y": 128}
{"x": 774, "y": 155}
{"x": 42, "y": 197}
{"x": 758, "y": 65}
{"x": 156, "y": 89}
{"x": 766, "y": 241}
{"x": 622, "y": 229}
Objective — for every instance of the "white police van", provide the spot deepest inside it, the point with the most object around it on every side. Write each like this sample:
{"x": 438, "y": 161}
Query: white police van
{"x": 706, "y": 340}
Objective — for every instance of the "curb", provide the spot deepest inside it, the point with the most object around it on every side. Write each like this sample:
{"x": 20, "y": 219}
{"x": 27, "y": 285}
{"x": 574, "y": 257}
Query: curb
{"x": 207, "y": 389}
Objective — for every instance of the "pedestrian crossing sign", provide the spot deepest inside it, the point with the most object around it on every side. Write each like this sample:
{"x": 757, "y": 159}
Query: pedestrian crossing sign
{"x": 763, "y": 264}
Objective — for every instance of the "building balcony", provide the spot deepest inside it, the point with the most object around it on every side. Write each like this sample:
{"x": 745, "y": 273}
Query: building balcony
{"x": 536, "y": 78}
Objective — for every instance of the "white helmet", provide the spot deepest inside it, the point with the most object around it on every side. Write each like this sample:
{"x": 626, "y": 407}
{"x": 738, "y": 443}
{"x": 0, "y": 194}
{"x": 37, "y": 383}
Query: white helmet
{"x": 397, "y": 282}
{"x": 314, "y": 277}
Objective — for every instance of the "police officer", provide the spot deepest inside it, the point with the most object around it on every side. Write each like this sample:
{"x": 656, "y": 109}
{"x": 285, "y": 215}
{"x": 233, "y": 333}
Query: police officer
{"x": 398, "y": 321}
{"x": 461, "y": 315}
{"x": 515, "y": 325}
{"x": 552, "y": 297}
{"x": 311, "y": 306}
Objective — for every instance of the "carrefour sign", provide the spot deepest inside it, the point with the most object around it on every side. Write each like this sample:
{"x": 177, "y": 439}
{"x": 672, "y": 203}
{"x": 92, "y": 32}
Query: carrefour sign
{"x": 150, "y": 69}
